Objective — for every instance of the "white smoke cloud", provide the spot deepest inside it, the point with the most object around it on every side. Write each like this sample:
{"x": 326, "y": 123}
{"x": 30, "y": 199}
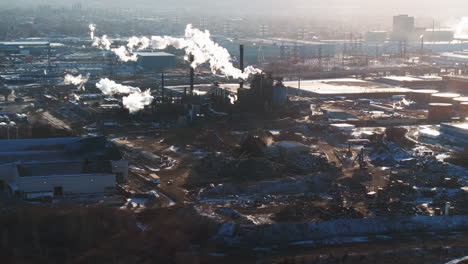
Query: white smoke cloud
{"x": 138, "y": 43}
{"x": 102, "y": 43}
{"x": 204, "y": 49}
{"x": 461, "y": 29}
{"x": 136, "y": 99}
{"x": 109, "y": 87}
{"x": 92, "y": 29}
{"x": 195, "y": 42}
{"x": 79, "y": 81}
{"x": 125, "y": 55}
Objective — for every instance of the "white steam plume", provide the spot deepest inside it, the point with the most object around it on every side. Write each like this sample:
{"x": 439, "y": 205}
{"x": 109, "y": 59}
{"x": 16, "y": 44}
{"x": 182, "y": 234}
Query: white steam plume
{"x": 109, "y": 87}
{"x": 102, "y": 43}
{"x": 204, "y": 49}
{"x": 195, "y": 42}
{"x": 79, "y": 81}
{"x": 136, "y": 99}
{"x": 461, "y": 29}
{"x": 125, "y": 55}
{"x": 92, "y": 29}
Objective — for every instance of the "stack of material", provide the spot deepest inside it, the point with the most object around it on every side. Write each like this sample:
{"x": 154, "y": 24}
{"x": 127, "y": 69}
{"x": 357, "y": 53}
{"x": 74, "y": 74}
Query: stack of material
{"x": 299, "y": 157}
{"x": 303, "y": 211}
{"x": 388, "y": 154}
{"x": 397, "y": 208}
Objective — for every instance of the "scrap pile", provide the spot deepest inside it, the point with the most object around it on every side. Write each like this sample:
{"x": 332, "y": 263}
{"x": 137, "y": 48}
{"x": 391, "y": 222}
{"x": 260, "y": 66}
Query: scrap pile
{"x": 429, "y": 172}
{"x": 387, "y": 153}
{"x": 307, "y": 211}
{"x": 397, "y": 208}
{"x": 221, "y": 166}
{"x": 299, "y": 158}
{"x": 397, "y": 191}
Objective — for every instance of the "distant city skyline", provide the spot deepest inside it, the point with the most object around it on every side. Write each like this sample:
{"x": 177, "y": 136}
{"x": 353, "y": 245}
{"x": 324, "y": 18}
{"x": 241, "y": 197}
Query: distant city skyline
{"x": 414, "y": 7}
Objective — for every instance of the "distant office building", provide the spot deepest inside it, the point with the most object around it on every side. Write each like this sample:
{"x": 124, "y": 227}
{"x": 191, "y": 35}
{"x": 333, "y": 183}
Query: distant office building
{"x": 403, "y": 27}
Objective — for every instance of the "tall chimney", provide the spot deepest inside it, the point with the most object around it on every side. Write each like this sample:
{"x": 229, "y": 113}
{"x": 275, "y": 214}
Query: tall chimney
{"x": 162, "y": 87}
{"x": 192, "y": 73}
{"x": 241, "y": 63}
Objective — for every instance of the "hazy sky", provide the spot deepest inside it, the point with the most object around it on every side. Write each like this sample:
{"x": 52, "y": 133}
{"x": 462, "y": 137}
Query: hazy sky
{"x": 415, "y": 7}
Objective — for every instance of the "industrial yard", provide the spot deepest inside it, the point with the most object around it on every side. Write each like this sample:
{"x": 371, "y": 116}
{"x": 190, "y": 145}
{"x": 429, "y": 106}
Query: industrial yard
{"x": 229, "y": 147}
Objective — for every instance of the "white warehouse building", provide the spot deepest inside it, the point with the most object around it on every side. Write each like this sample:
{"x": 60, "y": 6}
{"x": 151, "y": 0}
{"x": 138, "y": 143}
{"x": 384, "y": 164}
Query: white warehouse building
{"x": 60, "y": 166}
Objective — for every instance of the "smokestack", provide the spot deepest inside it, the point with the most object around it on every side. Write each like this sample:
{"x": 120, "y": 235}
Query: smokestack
{"x": 48, "y": 57}
{"x": 241, "y": 63}
{"x": 192, "y": 73}
{"x": 162, "y": 87}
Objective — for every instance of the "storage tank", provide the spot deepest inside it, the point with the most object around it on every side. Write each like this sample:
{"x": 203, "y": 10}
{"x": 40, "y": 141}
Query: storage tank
{"x": 280, "y": 94}
{"x": 444, "y": 98}
{"x": 463, "y": 110}
{"x": 422, "y": 96}
{"x": 457, "y": 101}
{"x": 439, "y": 112}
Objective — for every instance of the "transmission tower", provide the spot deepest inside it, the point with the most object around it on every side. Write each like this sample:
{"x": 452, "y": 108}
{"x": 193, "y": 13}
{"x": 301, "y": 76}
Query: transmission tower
{"x": 260, "y": 54}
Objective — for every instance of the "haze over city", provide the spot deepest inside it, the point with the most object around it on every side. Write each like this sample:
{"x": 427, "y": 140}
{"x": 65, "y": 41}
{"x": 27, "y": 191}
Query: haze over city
{"x": 204, "y": 131}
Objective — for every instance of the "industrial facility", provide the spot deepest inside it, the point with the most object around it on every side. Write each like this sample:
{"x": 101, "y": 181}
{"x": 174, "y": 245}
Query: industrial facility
{"x": 248, "y": 139}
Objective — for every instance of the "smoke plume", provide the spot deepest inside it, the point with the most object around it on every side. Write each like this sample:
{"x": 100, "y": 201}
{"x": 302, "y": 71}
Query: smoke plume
{"x": 109, "y": 87}
{"x": 92, "y": 29}
{"x": 79, "y": 81}
{"x": 195, "y": 42}
{"x": 124, "y": 54}
{"x": 102, "y": 43}
{"x": 136, "y": 99}
{"x": 461, "y": 30}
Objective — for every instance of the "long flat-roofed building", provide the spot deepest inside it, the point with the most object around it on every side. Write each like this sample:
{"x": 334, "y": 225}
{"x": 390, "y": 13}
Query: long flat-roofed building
{"x": 60, "y": 166}
{"x": 348, "y": 87}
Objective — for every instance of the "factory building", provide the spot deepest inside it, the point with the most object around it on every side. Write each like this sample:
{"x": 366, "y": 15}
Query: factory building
{"x": 24, "y": 48}
{"x": 452, "y": 58}
{"x": 266, "y": 50}
{"x": 415, "y": 82}
{"x": 60, "y": 166}
{"x": 156, "y": 61}
{"x": 439, "y": 35}
{"x": 348, "y": 87}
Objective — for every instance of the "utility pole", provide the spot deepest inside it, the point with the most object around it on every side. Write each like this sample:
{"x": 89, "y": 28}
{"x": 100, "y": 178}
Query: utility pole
{"x": 320, "y": 56}
{"x": 263, "y": 30}
{"x": 241, "y": 63}
{"x": 192, "y": 73}
{"x": 162, "y": 87}
{"x": 422, "y": 47}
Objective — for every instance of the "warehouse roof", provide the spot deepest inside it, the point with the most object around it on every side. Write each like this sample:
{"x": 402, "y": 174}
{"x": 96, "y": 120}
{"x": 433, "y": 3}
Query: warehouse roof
{"x": 25, "y": 43}
{"x": 154, "y": 54}
{"x": 344, "y": 86}
{"x": 56, "y": 149}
